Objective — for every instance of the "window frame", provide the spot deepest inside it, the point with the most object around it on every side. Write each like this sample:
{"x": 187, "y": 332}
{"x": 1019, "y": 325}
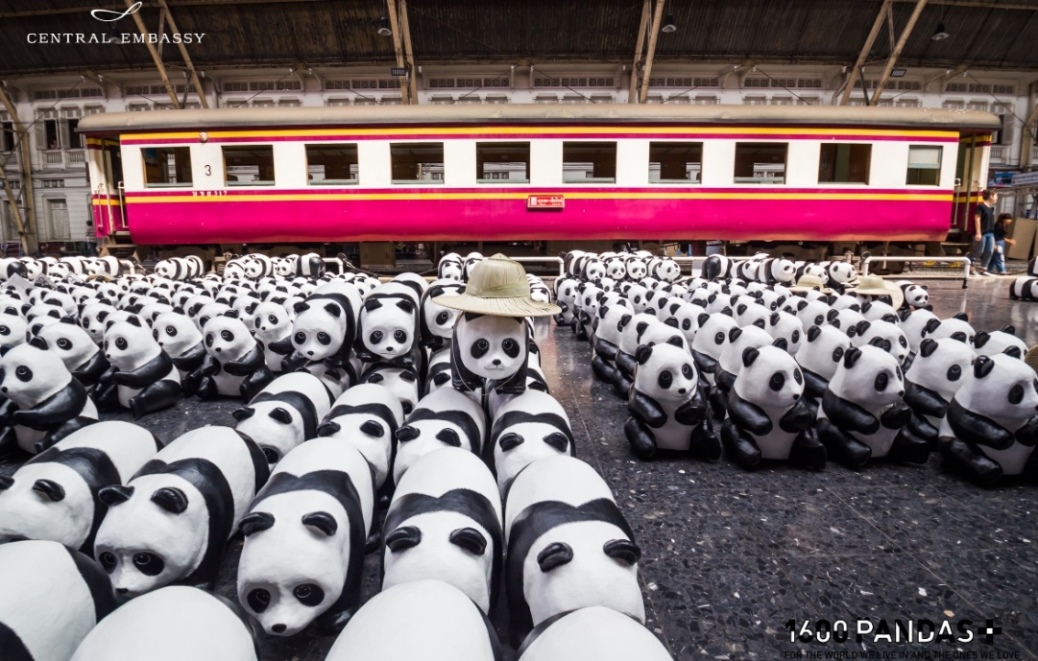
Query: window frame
{"x": 331, "y": 145}
{"x": 237, "y": 184}
{"x": 656, "y": 144}
{"x": 162, "y": 149}
{"x": 937, "y": 168}
{"x": 760, "y": 181}
{"x": 835, "y": 182}
{"x": 593, "y": 181}
{"x": 418, "y": 182}
{"x": 522, "y": 145}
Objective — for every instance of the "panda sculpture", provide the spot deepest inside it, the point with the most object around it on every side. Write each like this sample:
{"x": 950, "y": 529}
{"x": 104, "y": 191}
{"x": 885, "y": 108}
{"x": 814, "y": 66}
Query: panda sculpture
{"x": 43, "y": 402}
{"x": 450, "y": 267}
{"x": 438, "y": 370}
{"x": 443, "y": 418}
{"x": 437, "y": 321}
{"x": 776, "y": 270}
{"x": 565, "y": 297}
{"x": 284, "y": 414}
{"x": 235, "y": 366}
{"x": 936, "y": 374}
{"x": 434, "y": 611}
{"x": 142, "y": 376}
{"x": 710, "y": 341}
{"x": 568, "y": 546}
{"x": 171, "y": 521}
{"x": 863, "y": 411}
{"x": 1005, "y": 341}
{"x": 531, "y": 426}
{"x": 840, "y": 276}
{"x": 50, "y": 599}
{"x": 730, "y": 362}
{"x": 885, "y": 335}
{"x": 489, "y": 353}
{"x": 305, "y": 535}
{"x": 768, "y": 417}
{"x": 324, "y": 328}
{"x": 668, "y": 411}
{"x": 387, "y": 329}
{"x": 599, "y": 633}
{"x": 818, "y": 358}
{"x": 366, "y": 417}
{"x": 916, "y": 297}
{"x": 717, "y": 267}
{"x": 273, "y": 326}
{"x": 606, "y": 340}
{"x": 184, "y": 344}
{"x": 635, "y": 333}
{"x": 76, "y": 348}
{"x": 13, "y": 331}
{"x": 180, "y": 268}
{"x": 786, "y": 330}
{"x": 991, "y": 427}
{"x": 53, "y": 496}
{"x": 444, "y": 522}
{"x": 171, "y": 624}
{"x": 403, "y": 382}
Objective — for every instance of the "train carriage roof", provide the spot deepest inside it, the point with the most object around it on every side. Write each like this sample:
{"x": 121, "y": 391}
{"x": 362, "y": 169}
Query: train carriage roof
{"x": 921, "y": 118}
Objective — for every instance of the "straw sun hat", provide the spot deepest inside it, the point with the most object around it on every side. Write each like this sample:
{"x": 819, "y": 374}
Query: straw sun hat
{"x": 498, "y": 286}
{"x": 808, "y": 282}
{"x": 873, "y": 285}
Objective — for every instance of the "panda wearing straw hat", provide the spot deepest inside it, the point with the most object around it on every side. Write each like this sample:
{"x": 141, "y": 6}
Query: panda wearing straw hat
{"x": 489, "y": 347}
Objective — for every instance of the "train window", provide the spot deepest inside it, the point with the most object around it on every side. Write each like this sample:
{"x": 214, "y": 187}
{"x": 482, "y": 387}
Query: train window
{"x": 924, "y": 166}
{"x": 166, "y": 167}
{"x": 760, "y": 162}
{"x": 249, "y": 165}
{"x": 676, "y": 162}
{"x": 498, "y": 162}
{"x": 844, "y": 163}
{"x": 589, "y": 162}
{"x": 415, "y": 162}
{"x": 331, "y": 164}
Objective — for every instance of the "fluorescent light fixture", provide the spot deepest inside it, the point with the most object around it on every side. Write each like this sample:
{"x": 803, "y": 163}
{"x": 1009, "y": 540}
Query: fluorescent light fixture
{"x": 383, "y": 27}
{"x": 668, "y": 25}
{"x": 898, "y": 73}
{"x": 940, "y": 33}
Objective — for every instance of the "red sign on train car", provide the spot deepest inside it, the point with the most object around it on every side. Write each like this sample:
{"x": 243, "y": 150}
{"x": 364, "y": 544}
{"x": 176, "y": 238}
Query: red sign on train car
{"x": 545, "y": 201}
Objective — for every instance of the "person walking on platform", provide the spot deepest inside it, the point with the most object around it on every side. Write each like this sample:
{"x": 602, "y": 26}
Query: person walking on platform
{"x": 984, "y": 231}
{"x": 999, "y": 256}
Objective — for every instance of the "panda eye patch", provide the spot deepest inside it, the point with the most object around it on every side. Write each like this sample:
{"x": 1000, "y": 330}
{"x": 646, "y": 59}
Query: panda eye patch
{"x": 686, "y": 371}
{"x": 797, "y": 376}
{"x": 881, "y": 381}
{"x": 299, "y": 338}
{"x": 108, "y": 561}
{"x": 4, "y": 330}
{"x": 64, "y": 344}
{"x": 309, "y": 594}
{"x": 272, "y": 319}
{"x": 777, "y": 381}
{"x": 209, "y": 340}
{"x": 148, "y": 564}
{"x": 324, "y": 338}
{"x": 155, "y": 333}
{"x": 443, "y": 317}
{"x": 837, "y": 354}
{"x": 511, "y": 348}
{"x": 796, "y": 336}
{"x": 258, "y": 600}
{"x": 121, "y": 343}
{"x": 665, "y": 379}
{"x": 902, "y": 341}
{"x": 400, "y": 336}
{"x": 480, "y": 348}
{"x": 376, "y": 337}
{"x": 719, "y": 338}
{"x": 1016, "y": 394}
{"x": 897, "y": 370}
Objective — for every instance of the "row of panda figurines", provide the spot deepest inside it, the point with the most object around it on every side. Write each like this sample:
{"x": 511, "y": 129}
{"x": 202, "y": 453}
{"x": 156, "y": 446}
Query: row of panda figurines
{"x": 707, "y": 364}
{"x": 514, "y": 432}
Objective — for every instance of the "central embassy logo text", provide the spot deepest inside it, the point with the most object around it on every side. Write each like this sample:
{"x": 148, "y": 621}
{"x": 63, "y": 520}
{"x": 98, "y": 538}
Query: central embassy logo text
{"x": 114, "y": 36}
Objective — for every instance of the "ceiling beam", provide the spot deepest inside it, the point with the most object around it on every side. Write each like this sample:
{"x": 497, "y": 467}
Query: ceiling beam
{"x": 398, "y": 50}
{"x": 195, "y": 81}
{"x": 412, "y": 70}
{"x": 896, "y": 53}
{"x": 632, "y": 93}
{"x": 866, "y": 48}
{"x": 26, "y": 225}
{"x": 654, "y": 34}
{"x": 156, "y": 58}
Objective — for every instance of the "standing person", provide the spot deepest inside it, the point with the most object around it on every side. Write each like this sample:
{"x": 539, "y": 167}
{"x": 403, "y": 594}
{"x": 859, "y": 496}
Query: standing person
{"x": 998, "y": 257}
{"x": 984, "y": 231}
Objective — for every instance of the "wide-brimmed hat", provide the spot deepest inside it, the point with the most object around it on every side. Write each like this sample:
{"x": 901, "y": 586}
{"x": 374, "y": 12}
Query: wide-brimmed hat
{"x": 498, "y": 286}
{"x": 873, "y": 285}
{"x": 810, "y": 282}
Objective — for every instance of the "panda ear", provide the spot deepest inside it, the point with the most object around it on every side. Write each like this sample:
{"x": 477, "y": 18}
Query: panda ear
{"x": 862, "y": 326}
{"x": 371, "y": 304}
{"x": 981, "y": 338}
{"x": 851, "y": 356}
{"x": 1013, "y": 351}
{"x": 962, "y": 315}
{"x": 928, "y": 346}
{"x": 734, "y": 333}
{"x": 677, "y": 341}
{"x": 449, "y": 437}
{"x": 831, "y": 315}
{"x": 674, "y": 307}
{"x": 749, "y": 355}
{"x": 703, "y": 318}
{"x": 300, "y": 307}
{"x": 170, "y": 499}
{"x": 774, "y": 319}
{"x": 403, "y": 538}
{"x": 880, "y": 342}
{"x": 373, "y": 429}
{"x": 673, "y": 321}
{"x": 256, "y": 522}
{"x": 469, "y": 539}
{"x": 6, "y": 482}
{"x": 243, "y": 413}
{"x": 333, "y": 309}
{"x": 49, "y": 489}
{"x": 322, "y": 521}
{"x": 813, "y": 333}
{"x": 281, "y": 415}
{"x": 727, "y": 311}
{"x": 931, "y": 325}
{"x": 39, "y": 343}
{"x": 554, "y": 555}
{"x": 407, "y": 433}
{"x": 233, "y": 314}
{"x": 134, "y": 320}
{"x": 405, "y": 305}
{"x": 982, "y": 366}
{"x": 643, "y": 354}
{"x": 1010, "y": 329}
{"x": 904, "y": 313}
{"x": 68, "y": 320}
{"x": 781, "y": 343}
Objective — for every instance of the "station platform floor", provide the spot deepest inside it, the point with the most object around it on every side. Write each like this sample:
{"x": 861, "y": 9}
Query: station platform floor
{"x": 731, "y": 558}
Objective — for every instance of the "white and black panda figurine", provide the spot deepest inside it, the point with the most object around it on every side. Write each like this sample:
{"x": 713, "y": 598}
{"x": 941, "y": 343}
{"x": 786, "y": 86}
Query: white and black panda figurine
{"x": 235, "y": 366}
{"x": 43, "y": 402}
{"x": 183, "y": 342}
{"x": 387, "y": 330}
{"x": 53, "y": 496}
{"x": 768, "y": 417}
{"x": 273, "y": 333}
{"x": 50, "y": 599}
{"x": 366, "y": 417}
{"x": 325, "y": 326}
{"x": 600, "y": 633}
{"x": 565, "y": 297}
{"x": 489, "y": 352}
{"x": 450, "y": 267}
{"x": 569, "y": 546}
{"x": 403, "y": 382}
{"x": 443, "y": 625}
{"x": 84, "y": 359}
{"x": 936, "y": 374}
{"x": 916, "y": 297}
{"x": 171, "y": 624}
{"x": 606, "y": 339}
{"x": 531, "y": 426}
{"x": 180, "y": 268}
{"x": 1005, "y": 341}
{"x": 818, "y": 358}
{"x": 776, "y": 270}
{"x": 142, "y": 376}
{"x": 668, "y": 412}
{"x": 443, "y": 418}
{"x": 171, "y": 522}
{"x": 863, "y": 411}
{"x": 840, "y": 276}
{"x": 305, "y": 535}
{"x": 991, "y": 428}
{"x": 444, "y": 522}
{"x": 437, "y": 321}
{"x": 284, "y": 414}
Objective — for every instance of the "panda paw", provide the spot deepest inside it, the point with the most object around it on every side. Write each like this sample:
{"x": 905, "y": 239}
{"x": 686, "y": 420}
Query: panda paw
{"x": 740, "y": 446}
{"x": 642, "y": 441}
{"x": 897, "y": 416}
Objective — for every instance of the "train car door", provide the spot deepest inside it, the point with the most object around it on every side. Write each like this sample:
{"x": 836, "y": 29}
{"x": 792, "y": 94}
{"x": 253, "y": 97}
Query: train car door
{"x": 104, "y": 166}
{"x": 970, "y": 178}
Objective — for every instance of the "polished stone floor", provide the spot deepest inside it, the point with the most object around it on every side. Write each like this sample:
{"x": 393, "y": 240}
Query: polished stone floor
{"x": 731, "y": 557}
